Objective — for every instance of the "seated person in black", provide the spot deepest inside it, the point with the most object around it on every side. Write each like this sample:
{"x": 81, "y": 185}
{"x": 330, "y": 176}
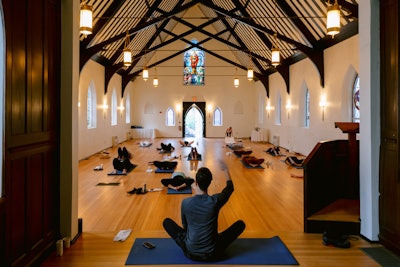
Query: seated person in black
{"x": 122, "y": 163}
{"x": 165, "y": 165}
{"x": 178, "y": 181}
{"x": 193, "y": 155}
{"x": 294, "y": 161}
{"x": 274, "y": 151}
{"x": 166, "y": 148}
{"x": 198, "y": 236}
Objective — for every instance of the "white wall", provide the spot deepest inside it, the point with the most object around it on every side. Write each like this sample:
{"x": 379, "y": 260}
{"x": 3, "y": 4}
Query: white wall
{"x": 92, "y": 141}
{"x": 341, "y": 67}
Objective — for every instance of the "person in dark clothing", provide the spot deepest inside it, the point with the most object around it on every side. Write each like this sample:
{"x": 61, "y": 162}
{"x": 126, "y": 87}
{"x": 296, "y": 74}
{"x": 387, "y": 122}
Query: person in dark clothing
{"x": 178, "y": 181}
{"x": 122, "y": 162}
{"x": 167, "y": 148}
{"x": 198, "y": 237}
{"x": 274, "y": 151}
{"x": 165, "y": 165}
{"x": 294, "y": 161}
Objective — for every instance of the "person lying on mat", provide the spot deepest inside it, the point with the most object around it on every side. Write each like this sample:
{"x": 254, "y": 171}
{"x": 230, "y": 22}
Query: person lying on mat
{"x": 166, "y": 148}
{"x": 274, "y": 151}
{"x": 194, "y": 154}
{"x": 178, "y": 181}
{"x": 186, "y": 143}
{"x": 122, "y": 162}
{"x": 198, "y": 237}
{"x": 145, "y": 143}
{"x": 165, "y": 165}
{"x": 294, "y": 161}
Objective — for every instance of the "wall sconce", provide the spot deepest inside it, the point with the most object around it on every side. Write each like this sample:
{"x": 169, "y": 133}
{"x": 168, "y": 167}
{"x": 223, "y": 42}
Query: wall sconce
{"x": 79, "y": 104}
{"x": 121, "y": 109}
{"x": 179, "y": 110}
{"x": 86, "y": 20}
{"x": 209, "y": 109}
{"x": 288, "y": 107}
{"x": 105, "y": 107}
{"x": 333, "y": 19}
{"x": 322, "y": 104}
{"x": 268, "y": 108}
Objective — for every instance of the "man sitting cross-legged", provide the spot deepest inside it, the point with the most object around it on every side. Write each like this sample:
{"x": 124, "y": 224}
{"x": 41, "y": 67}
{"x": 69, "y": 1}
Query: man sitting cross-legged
{"x": 199, "y": 237}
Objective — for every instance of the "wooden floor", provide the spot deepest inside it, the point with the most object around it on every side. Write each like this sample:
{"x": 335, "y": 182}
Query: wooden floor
{"x": 269, "y": 200}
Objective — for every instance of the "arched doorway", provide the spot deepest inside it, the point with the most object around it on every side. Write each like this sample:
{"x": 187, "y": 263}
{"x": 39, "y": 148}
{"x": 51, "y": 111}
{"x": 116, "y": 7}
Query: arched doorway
{"x": 193, "y": 120}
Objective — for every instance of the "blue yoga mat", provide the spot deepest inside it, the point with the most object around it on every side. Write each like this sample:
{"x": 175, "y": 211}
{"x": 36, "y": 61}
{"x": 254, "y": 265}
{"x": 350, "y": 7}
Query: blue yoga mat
{"x": 158, "y": 170}
{"x": 243, "y": 251}
{"x": 186, "y": 190}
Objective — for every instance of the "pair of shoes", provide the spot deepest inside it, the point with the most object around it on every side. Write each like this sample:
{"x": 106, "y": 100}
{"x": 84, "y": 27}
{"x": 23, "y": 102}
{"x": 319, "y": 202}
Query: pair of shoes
{"x": 339, "y": 241}
{"x": 133, "y": 191}
{"x": 98, "y": 168}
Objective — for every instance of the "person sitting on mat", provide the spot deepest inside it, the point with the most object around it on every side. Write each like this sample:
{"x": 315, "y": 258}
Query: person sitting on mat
{"x": 186, "y": 143}
{"x": 165, "y": 165}
{"x": 274, "y": 151}
{"x": 198, "y": 237}
{"x": 178, "y": 181}
{"x": 229, "y": 132}
{"x": 294, "y": 161}
{"x": 166, "y": 148}
{"x": 122, "y": 162}
{"x": 194, "y": 155}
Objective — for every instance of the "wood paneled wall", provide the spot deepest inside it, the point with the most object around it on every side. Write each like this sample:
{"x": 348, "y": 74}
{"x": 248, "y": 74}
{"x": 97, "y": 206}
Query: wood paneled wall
{"x": 389, "y": 201}
{"x": 31, "y": 182}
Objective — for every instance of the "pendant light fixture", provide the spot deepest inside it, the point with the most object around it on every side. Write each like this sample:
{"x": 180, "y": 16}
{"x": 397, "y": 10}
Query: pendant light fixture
{"x": 250, "y": 74}
{"x": 145, "y": 74}
{"x": 127, "y": 52}
{"x": 333, "y": 19}
{"x": 155, "y": 81}
{"x": 86, "y": 20}
{"x": 236, "y": 80}
{"x": 275, "y": 53}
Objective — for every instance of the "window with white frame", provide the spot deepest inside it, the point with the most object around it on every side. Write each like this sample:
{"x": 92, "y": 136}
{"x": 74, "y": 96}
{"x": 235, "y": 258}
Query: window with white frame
{"x": 356, "y": 100}
{"x": 170, "y": 117}
{"x": 217, "y": 117}
{"x": 127, "y": 109}
{"x": 114, "y": 108}
{"x": 278, "y": 110}
{"x": 91, "y": 107}
{"x": 307, "y": 109}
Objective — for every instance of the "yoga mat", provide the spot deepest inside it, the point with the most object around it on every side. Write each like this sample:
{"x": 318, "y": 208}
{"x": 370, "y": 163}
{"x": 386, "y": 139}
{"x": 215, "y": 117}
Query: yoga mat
{"x": 116, "y": 183}
{"x": 186, "y": 190}
{"x": 243, "y": 251}
{"x": 251, "y": 167}
{"x": 382, "y": 256}
{"x": 121, "y": 173}
{"x": 158, "y": 170}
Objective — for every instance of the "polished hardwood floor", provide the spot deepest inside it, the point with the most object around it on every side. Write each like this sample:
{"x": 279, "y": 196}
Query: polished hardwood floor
{"x": 269, "y": 200}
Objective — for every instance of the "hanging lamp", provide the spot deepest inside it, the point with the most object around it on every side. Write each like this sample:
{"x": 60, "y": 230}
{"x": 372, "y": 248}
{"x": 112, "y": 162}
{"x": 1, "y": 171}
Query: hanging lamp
{"x": 333, "y": 19}
{"x": 127, "y": 52}
{"x": 275, "y": 53}
{"x": 155, "y": 82}
{"x": 250, "y": 74}
{"x": 145, "y": 74}
{"x": 86, "y": 20}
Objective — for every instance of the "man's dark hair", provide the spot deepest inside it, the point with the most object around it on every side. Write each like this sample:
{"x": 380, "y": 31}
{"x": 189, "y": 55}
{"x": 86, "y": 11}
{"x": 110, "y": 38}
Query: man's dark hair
{"x": 203, "y": 178}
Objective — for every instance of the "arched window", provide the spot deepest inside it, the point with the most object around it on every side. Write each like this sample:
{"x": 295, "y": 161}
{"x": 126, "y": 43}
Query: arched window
{"x": 356, "y": 100}
{"x": 127, "y": 109}
{"x": 307, "y": 109}
{"x": 114, "y": 108}
{"x": 193, "y": 66}
{"x": 91, "y": 107}
{"x": 170, "y": 117}
{"x": 217, "y": 117}
{"x": 278, "y": 118}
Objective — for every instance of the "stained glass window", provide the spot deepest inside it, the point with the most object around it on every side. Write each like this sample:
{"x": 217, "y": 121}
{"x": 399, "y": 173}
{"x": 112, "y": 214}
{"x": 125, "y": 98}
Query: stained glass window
{"x": 193, "y": 66}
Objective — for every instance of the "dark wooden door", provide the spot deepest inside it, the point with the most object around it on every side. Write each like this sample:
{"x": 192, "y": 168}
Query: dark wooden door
{"x": 29, "y": 205}
{"x": 389, "y": 201}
